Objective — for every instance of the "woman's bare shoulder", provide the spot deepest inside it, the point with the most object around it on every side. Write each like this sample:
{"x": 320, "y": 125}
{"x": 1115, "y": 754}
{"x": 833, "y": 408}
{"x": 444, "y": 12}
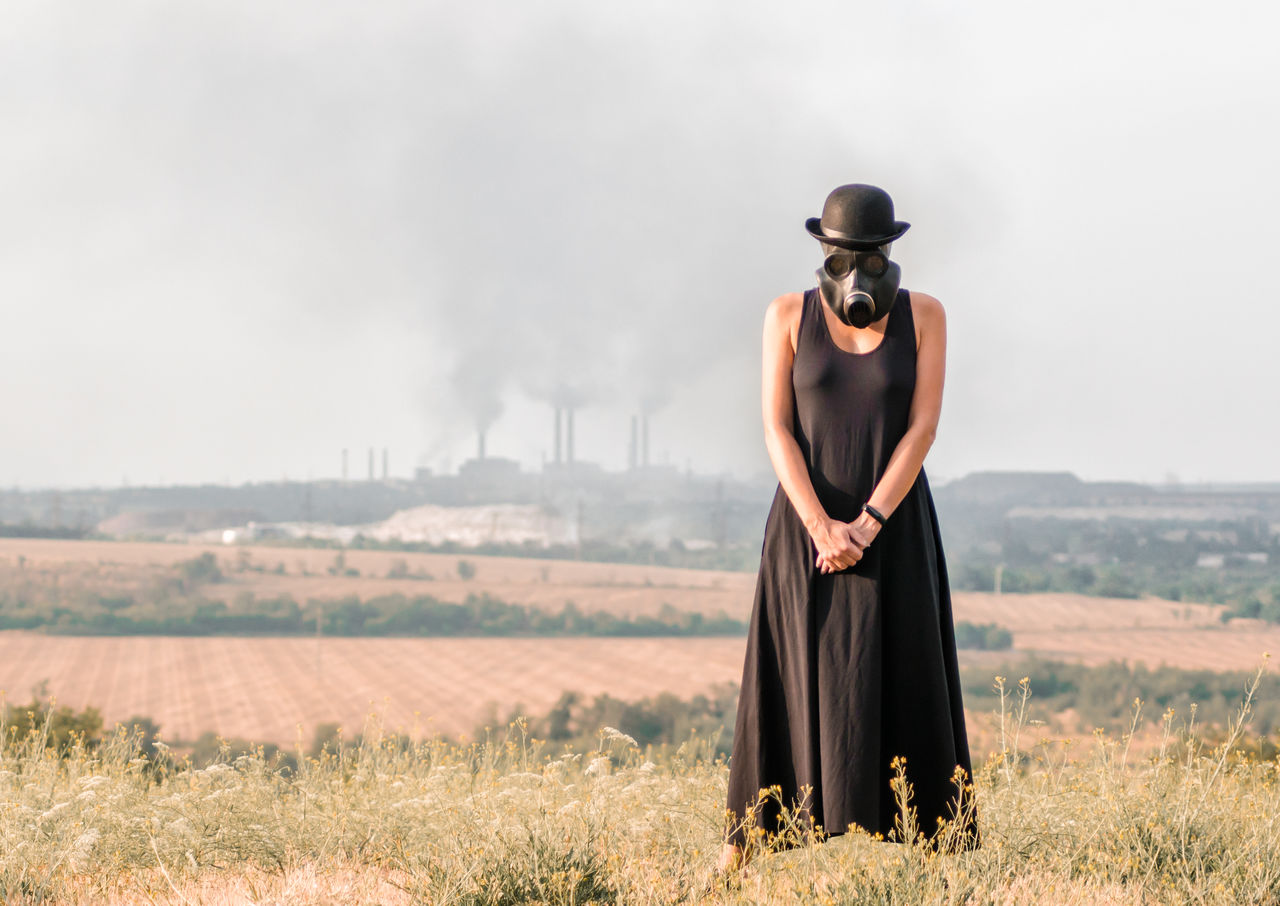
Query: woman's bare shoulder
{"x": 926, "y": 306}
{"x": 785, "y": 310}
{"x": 929, "y": 317}
{"x": 782, "y": 318}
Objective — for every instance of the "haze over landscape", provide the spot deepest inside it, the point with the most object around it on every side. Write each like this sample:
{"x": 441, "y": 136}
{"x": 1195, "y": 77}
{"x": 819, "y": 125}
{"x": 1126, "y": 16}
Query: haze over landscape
{"x": 238, "y": 240}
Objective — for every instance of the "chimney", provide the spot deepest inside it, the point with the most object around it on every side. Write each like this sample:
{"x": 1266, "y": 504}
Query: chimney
{"x": 568, "y": 437}
{"x": 480, "y": 445}
{"x": 644, "y": 440}
{"x": 633, "y": 451}
{"x": 557, "y": 457}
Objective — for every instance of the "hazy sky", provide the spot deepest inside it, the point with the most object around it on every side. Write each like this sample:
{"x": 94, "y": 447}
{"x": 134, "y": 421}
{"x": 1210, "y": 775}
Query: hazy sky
{"x": 239, "y": 236}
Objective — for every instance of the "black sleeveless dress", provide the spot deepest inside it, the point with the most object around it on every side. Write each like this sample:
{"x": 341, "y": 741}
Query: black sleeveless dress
{"x": 847, "y": 670}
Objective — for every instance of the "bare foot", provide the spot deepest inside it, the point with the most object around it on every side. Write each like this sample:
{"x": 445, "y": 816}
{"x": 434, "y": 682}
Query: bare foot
{"x": 730, "y": 858}
{"x": 726, "y": 870}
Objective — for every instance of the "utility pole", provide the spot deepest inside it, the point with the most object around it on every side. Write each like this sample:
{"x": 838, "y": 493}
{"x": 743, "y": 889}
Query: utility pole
{"x": 319, "y": 623}
{"x": 579, "y": 524}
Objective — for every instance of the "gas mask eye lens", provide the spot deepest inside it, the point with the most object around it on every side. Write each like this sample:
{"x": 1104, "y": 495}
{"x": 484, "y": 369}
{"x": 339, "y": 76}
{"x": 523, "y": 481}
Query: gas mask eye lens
{"x": 839, "y": 265}
{"x": 873, "y": 265}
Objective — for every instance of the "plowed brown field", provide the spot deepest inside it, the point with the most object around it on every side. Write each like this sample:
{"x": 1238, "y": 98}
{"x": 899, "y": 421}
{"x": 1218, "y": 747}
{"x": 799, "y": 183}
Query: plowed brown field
{"x": 262, "y": 688}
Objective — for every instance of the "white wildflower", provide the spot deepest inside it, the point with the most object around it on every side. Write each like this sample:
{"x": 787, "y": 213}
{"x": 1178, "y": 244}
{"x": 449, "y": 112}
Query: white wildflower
{"x": 93, "y": 781}
{"x": 87, "y": 796}
{"x": 54, "y": 811}
{"x": 407, "y": 803}
{"x": 612, "y": 734}
{"x": 82, "y": 848}
{"x": 598, "y": 766}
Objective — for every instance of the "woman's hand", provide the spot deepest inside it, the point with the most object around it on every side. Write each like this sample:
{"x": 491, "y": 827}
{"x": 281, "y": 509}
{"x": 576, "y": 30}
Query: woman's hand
{"x": 838, "y": 545}
{"x": 859, "y": 533}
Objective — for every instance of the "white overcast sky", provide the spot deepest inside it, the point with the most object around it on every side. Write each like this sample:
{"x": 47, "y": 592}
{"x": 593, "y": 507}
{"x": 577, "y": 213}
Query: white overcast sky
{"x": 237, "y": 237}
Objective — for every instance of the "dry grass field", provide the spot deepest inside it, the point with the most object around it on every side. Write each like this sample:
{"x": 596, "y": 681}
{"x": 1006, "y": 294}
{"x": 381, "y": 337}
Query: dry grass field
{"x": 518, "y": 822}
{"x": 189, "y": 685}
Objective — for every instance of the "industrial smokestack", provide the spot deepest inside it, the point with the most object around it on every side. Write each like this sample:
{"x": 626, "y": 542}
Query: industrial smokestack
{"x": 644, "y": 440}
{"x": 633, "y": 449}
{"x": 557, "y": 457}
{"x": 568, "y": 437}
{"x": 480, "y": 445}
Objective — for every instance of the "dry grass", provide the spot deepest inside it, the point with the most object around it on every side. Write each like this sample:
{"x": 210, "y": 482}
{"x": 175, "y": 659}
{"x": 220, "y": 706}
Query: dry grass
{"x": 513, "y": 822}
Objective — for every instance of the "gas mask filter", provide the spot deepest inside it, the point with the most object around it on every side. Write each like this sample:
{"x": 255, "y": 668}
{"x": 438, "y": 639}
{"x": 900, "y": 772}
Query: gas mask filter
{"x": 858, "y": 285}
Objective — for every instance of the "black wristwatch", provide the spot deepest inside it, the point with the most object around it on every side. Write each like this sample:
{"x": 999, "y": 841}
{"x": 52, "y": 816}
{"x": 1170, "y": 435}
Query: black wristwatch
{"x": 874, "y": 513}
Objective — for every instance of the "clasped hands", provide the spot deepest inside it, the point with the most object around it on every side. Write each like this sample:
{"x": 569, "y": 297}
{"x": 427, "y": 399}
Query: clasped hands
{"x": 841, "y": 544}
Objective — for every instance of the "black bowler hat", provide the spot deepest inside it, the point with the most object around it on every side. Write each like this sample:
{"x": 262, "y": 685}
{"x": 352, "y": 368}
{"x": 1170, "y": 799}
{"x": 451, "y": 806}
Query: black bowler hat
{"x": 857, "y": 217}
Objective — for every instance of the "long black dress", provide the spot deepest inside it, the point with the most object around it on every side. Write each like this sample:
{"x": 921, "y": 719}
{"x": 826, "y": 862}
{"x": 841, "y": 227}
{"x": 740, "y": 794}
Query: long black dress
{"x": 844, "y": 671}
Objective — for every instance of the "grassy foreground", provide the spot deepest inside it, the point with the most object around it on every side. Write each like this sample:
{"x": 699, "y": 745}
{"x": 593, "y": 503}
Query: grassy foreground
{"x": 507, "y": 822}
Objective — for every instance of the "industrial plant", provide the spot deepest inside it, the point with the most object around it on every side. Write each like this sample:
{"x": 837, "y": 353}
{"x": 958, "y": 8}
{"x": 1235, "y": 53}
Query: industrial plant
{"x": 489, "y": 499}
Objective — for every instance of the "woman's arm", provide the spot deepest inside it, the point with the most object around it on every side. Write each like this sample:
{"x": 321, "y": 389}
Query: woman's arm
{"x": 833, "y": 539}
{"x": 922, "y": 425}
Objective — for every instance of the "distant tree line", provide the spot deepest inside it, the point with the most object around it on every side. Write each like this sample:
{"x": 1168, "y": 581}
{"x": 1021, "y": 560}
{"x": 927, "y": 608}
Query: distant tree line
{"x": 574, "y": 722}
{"x": 982, "y": 636}
{"x": 1112, "y": 581}
{"x": 385, "y": 615}
{"x": 727, "y": 557}
{"x": 29, "y": 530}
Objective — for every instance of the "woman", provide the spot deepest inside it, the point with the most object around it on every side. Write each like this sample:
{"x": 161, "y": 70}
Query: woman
{"x": 851, "y": 656}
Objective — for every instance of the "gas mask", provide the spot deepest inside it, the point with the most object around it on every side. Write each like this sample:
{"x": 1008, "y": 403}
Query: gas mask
{"x": 858, "y": 285}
